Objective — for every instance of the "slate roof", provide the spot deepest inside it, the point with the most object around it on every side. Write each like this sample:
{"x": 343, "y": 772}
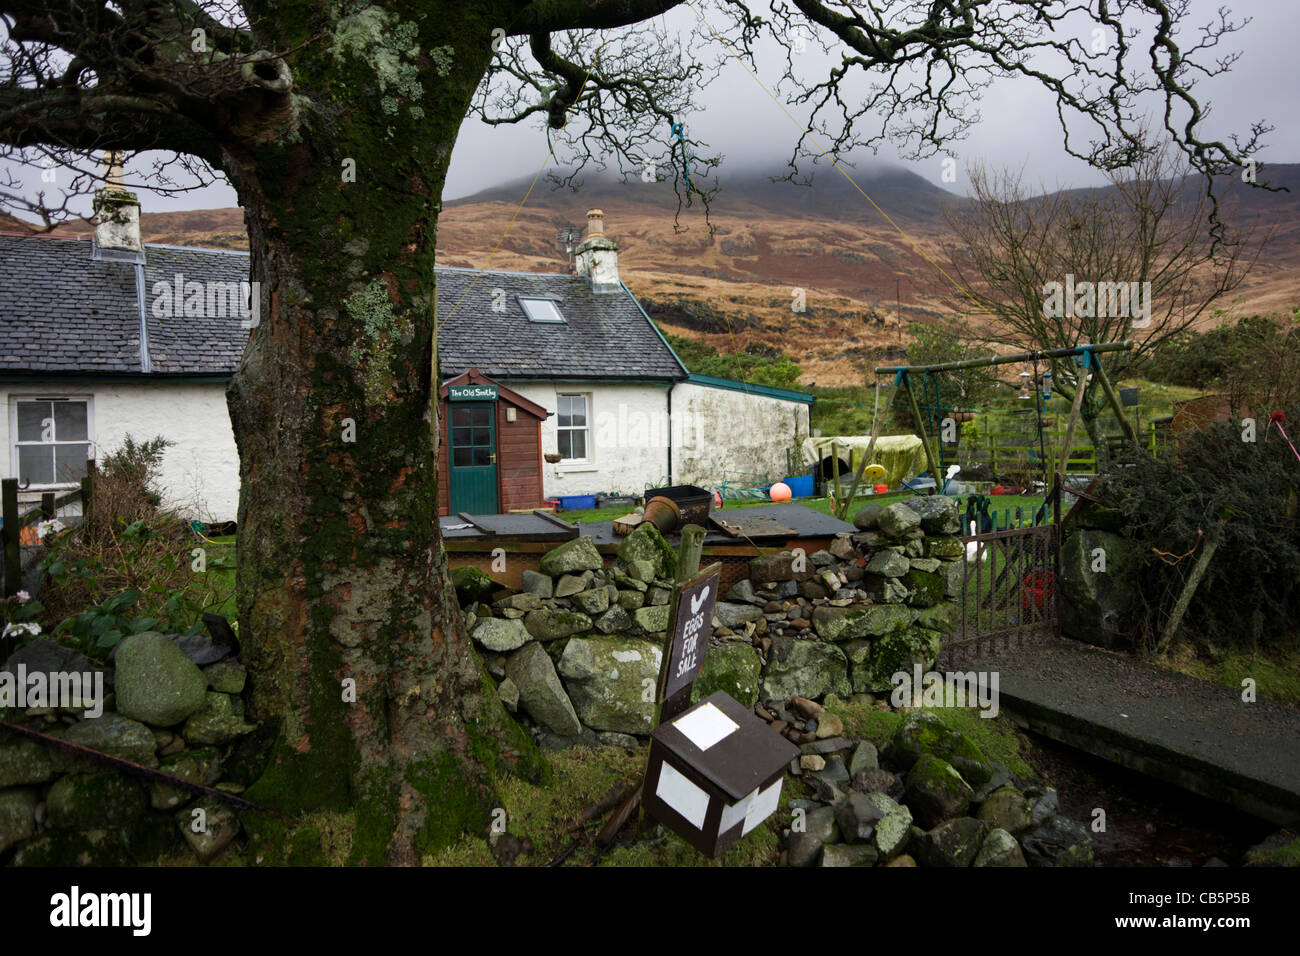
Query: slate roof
{"x": 604, "y": 335}
{"x": 63, "y": 312}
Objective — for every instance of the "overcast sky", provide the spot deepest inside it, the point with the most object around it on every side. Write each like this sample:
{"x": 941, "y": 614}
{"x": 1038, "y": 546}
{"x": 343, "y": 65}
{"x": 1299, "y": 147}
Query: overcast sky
{"x": 1018, "y": 126}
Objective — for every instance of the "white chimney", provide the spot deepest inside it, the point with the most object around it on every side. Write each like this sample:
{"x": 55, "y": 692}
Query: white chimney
{"x": 117, "y": 216}
{"x": 597, "y": 255}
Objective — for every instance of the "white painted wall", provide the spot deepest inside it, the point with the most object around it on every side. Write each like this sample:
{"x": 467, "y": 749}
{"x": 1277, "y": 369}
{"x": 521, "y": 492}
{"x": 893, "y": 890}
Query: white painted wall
{"x": 200, "y": 473}
{"x": 628, "y": 436}
{"x": 727, "y": 430}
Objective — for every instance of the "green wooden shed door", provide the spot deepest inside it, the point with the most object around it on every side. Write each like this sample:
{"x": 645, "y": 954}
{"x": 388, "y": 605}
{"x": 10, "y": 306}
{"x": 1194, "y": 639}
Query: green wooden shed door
{"x": 473, "y": 458}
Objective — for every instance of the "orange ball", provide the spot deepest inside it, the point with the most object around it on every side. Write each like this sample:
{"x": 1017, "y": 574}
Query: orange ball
{"x": 781, "y": 492}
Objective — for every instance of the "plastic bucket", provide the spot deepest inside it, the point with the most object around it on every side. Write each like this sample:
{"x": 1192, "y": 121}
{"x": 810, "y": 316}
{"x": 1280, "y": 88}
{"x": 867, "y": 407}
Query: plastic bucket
{"x": 801, "y": 486}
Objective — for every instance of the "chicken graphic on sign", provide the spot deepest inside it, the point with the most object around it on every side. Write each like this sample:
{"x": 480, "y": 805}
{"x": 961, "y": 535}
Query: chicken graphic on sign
{"x": 691, "y": 626}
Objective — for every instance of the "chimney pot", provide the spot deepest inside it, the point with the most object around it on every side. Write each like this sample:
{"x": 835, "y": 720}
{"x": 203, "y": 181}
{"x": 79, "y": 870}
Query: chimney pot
{"x": 116, "y": 215}
{"x": 595, "y": 222}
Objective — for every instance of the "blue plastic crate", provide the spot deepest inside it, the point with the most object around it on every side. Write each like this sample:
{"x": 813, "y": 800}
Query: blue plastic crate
{"x": 577, "y": 502}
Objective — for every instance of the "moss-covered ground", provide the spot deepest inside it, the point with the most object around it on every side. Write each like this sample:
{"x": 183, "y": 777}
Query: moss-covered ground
{"x": 581, "y": 776}
{"x": 1276, "y": 671}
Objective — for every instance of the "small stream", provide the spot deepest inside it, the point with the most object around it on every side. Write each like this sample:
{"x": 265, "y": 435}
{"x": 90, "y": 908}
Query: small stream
{"x": 1148, "y": 823}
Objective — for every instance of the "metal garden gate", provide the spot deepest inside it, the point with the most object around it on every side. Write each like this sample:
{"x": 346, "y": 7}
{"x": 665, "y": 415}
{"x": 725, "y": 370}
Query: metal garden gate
{"x": 1010, "y": 594}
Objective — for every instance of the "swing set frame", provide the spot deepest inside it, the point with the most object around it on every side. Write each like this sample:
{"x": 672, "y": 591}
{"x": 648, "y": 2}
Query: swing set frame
{"x": 1087, "y": 357}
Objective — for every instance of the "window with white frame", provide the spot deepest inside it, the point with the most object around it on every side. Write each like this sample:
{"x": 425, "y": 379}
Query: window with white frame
{"x": 572, "y": 429}
{"x": 52, "y": 440}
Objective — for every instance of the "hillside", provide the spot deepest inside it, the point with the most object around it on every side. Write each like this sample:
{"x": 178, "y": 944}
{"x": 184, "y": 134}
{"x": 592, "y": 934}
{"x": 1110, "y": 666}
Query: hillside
{"x": 735, "y": 292}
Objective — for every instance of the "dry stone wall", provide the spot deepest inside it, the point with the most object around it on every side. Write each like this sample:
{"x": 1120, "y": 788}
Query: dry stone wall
{"x": 168, "y": 703}
{"x": 576, "y": 650}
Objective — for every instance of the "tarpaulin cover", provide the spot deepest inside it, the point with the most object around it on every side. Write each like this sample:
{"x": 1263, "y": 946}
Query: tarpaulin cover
{"x": 902, "y": 456}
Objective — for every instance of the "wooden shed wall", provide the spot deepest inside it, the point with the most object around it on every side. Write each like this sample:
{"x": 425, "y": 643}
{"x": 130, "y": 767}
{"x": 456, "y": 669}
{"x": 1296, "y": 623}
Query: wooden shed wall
{"x": 519, "y": 460}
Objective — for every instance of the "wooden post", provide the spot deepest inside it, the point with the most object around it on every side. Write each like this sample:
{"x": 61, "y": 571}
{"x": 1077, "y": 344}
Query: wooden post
{"x": 10, "y": 532}
{"x": 87, "y": 492}
{"x": 835, "y": 470}
{"x": 1189, "y": 589}
{"x": 920, "y": 431}
{"x": 47, "y": 505}
{"x": 1115, "y": 406}
{"x": 1067, "y": 448}
{"x": 689, "y": 552}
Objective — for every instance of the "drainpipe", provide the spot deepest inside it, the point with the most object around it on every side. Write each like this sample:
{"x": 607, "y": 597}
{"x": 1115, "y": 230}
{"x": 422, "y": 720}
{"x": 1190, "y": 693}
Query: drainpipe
{"x": 146, "y": 365}
{"x": 671, "y": 385}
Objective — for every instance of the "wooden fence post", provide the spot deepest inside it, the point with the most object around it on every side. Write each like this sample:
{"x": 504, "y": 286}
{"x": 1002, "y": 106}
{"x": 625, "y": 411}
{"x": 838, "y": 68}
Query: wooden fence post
{"x": 87, "y": 491}
{"x": 10, "y": 532}
{"x": 688, "y": 553}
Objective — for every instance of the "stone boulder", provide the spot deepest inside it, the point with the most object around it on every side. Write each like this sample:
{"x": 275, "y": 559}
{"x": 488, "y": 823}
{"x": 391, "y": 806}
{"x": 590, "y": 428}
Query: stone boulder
{"x": 594, "y": 601}
{"x": 216, "y": 723}
{"x": 893, "y": 829}
{"x": 155, "y": 682}
{"x": 1058, "y": 842}
{"x": 899, "y": 650}
{"x": 580, "y": 554}
{"x": 840, "y": 624}
{"x": 896, "y": 520}
{"x": 928, "y": 589}
{"x": 535, "y": 582}
{"x": 732, "y": 667}
{"x": 611, "y": 681}
{"x": 1000, "y": 849}
{"x": 772, "y": 568}
{"x": 922, "y": 733}
{"x": 645, "y": 543}
{"x": 84, "y": 801}
{"x": 198, "y": 765}
{"x": 211, "y": 832}
{"x": 540, "y": 691}
{"x": 500, "y": 634}
{"x": 818, "y": 829}
{"x": 735, "y": 616}
{"x": 571, "y": 584}
{"x": 613, "y": 621}
{"x": 888, "y": 563}
{"x": 472, "y": 584}
{"x": 24, "y": 762}
{"x": 938, "y": 513}
{"x": 550, "y": 623}
{"x": 1007, "y": 809}
{"x": 867, "y": 516}
{"x": 936, "y": 792}
{"x": 955, "y": 843}
{"x": 652, "y": 619}
{"x": 804, "y": 669}
{"x": 117, "y": 735}
{"x": 1099, "y": 606}
{"x": 17, "y": 817}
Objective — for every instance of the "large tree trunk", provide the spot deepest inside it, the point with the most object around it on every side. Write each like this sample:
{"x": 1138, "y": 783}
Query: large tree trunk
{"x": 342, "y": 574}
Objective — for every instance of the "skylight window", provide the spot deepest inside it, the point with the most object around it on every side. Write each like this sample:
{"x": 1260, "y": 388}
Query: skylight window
{"x": 541, "y": 310}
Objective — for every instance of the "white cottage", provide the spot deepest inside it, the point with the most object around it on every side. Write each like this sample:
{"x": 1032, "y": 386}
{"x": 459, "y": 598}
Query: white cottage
{"x": 91, "y": 352}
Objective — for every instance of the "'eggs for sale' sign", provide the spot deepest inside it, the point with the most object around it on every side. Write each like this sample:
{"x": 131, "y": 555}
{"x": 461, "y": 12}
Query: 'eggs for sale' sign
{"x": 692, "y": 625}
